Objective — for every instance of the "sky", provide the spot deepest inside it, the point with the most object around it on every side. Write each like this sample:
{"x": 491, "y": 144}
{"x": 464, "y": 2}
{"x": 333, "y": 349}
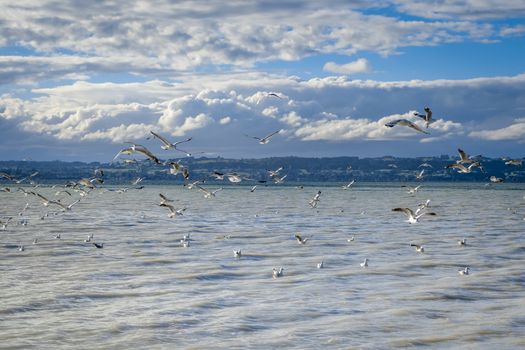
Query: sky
{"x": 79, "y": 79}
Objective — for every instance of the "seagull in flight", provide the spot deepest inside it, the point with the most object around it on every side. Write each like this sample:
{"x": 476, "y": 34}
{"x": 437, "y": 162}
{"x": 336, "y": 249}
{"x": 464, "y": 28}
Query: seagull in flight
{"x": 346, "y": 187}
{"x": 427, "y": 117}
{"x": 300, "y": 239}
{"x": 279, "y": 180}
{"x": 412, "y": 218}
{"x": 420, "y": 175}
{"x": 412, "y": 190}
{"x": 274, "y": 173}
{"x": 463, "y": 169}
{"x": 173, "y": 212}
{"x": 516, "y": 162}
{"x": 264, "y": 140}
{"x": 168, "y": 145}
{"x": 208, "y": 194}
{"x": 315, "y": 200}
{"x": 425, "y": 165}
{"x": 464, "y": 158}
{"x": 422, "y": 206}
{"x": 495, "y": 179}
{"x": 419, "y": 248}
{"x": 405, "y": 122}
{"x": 164, "y": 199}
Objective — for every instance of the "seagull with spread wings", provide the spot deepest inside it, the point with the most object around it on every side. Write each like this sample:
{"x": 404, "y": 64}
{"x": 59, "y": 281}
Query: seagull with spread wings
{"x": 405, "y": 122}
{"x": 264, "y": 140}
{"x": 412, "y": 218}
{"x": 427, "y": 117}
{"x": 168, "y": 145}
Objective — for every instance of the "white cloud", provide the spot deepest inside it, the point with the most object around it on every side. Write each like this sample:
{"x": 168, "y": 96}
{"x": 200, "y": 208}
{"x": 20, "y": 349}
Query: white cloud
{"x": 515, "y": 131}
{"x": 359, "y": 66}
{"x": 225, "y": 120}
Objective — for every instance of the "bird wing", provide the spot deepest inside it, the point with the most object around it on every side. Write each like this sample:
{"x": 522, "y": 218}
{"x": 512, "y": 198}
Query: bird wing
{"x": 415, "y": 127}
{"x": 162, "y": 139}
{"x": 169, "y": 206}
{"x": 407, "y": 211}
{"x": 147, "y": 153}
{"x": 270, "y": 135}
{"x": 464, "y": 157}
{"x": 179, "y": 142}
{"x": 299, "y": 238}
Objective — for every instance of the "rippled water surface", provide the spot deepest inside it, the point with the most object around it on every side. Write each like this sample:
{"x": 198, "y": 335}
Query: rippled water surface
{"x": 145, "y": 290}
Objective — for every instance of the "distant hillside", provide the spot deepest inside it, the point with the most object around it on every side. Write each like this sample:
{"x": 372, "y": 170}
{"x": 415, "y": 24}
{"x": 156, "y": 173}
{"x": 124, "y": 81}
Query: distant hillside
{"x": 298, "y": 170}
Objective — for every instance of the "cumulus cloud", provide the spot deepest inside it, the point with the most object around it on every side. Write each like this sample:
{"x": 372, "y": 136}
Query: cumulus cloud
{"x": 359, "y": 66}
{"x": 318, "y": 110}
{"x": 107, "y": 37}
{"x": 515, "y": 131}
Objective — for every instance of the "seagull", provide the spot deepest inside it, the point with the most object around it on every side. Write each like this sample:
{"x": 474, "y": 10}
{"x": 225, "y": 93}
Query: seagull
{"x": 98, "y": 245}
{"x": 185, "y": 243}
{"x": 517, "y": 162}
{"x": 420, "y": 175}
{"x": 464, "y": 158}
{"x": 168, "y": 145}
{"x": 463, "y": 169}
{"x": 320, "y": 265}
{"x": 89, "y": 238}
{"x": 427, "y": 117}
{"x": 300, "y": 240}
{"x": 346, "y": 187}
{"x": 412, "y": 190}
{"x": 266, "y": 139}
{"x": 462, "y": 242}
{"x": 218, "y": 175}
{"x": 425, "y": 165}
{"x": 404, "y": 122}
{"x": 495, "y": 179}
{"x": 279, "y": 180}
{"x": 208, "y": 194}
{"x": 274, "y": 173}
{"x": 58, "y": 236}
{"x": 136, "y": 148}
{"x": 412, "y": 218}
{"x": 4, "y": 223}
{"x": 422, "y": 206}
{"x": 419, "y": 248}
{"x": 364, "y": 263}
{"x": 21, "y": 248}
{"x": 465, "y": 271}
{"x": 234, "y": 177}
{"x": 193, "y": 184}
{"x": 351, "y": 239}
{"x": 47, "y": 202}
{"x": 276, "y": 273}
{"x": 173, "y": 212}
{"x": 137, "y": 181}
{"x": 253, "y": 188}
{"x": 237, "y": 253}
{"x": 315, "y": 200}
{"x": 35, "y": 241}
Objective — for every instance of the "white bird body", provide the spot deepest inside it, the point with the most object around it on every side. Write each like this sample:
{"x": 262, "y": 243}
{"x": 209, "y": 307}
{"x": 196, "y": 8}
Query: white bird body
{"x": 364, "y": 263}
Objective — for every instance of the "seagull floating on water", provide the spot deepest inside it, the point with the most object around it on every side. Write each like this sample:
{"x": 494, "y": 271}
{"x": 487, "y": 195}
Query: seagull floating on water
{"x": 465, "y": 271}
{"x": 98, "y": 245}
{"x": 276, "y": 273}
{"x": 320, "y": 265}
{"x": 364, "y": 263}
{"x": 462, "y": 242}
{"x": 237, "y": 253}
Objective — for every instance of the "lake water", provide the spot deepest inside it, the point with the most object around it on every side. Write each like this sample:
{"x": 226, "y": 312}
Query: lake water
{"x": 145, "y": 290}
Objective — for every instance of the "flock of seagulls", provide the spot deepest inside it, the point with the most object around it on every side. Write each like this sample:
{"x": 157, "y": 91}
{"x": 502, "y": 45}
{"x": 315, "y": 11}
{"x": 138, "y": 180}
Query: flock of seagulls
{"x": 84, "y": 186}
